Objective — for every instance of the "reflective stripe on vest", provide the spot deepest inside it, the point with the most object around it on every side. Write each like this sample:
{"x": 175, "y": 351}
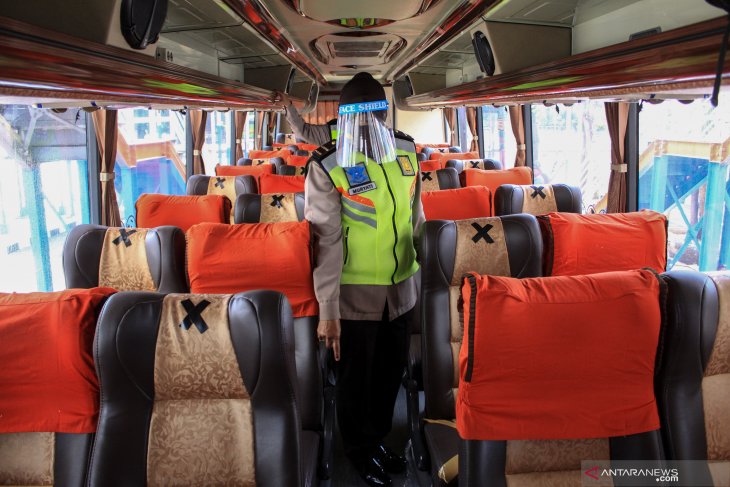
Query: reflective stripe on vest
{"x": 377, "y": 226}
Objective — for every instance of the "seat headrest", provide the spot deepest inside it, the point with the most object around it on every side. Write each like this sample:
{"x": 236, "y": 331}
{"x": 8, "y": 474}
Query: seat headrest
{"x": 155, "y": 210}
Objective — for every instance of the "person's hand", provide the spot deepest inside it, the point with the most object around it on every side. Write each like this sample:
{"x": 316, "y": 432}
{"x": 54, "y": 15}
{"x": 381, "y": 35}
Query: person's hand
{"x": 328, "y": 331}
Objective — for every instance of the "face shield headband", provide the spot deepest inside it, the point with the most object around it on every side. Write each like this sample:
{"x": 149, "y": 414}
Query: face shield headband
{"x": 362, "y": 135}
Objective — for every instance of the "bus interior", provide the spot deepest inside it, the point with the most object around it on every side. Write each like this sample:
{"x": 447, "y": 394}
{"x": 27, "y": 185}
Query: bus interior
{"x": 591, "y": 137}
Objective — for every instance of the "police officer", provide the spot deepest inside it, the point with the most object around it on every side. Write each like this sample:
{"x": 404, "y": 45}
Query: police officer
{"x": 362, "y": 198}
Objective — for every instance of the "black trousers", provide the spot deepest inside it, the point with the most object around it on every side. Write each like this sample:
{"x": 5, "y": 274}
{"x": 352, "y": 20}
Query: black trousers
{"x": 373, "y": 356}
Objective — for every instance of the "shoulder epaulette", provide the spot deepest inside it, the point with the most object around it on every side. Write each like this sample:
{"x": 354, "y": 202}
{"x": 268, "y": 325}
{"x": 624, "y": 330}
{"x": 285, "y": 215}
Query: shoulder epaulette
{"x": 323, "y": 151}
{"x": 401, "y": 135}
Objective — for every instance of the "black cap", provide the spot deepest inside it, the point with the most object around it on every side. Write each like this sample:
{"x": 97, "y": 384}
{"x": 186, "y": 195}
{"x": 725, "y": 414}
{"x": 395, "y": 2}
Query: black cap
{"x": 361, "y": 88}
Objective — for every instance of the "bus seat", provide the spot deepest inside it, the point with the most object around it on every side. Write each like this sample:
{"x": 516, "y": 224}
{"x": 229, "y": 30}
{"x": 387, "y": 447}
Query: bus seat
{"x": 430, "y": 165}
{"x": 275, "y": 183}
{"x": 694, "y": 375}
{"x": 228, "y": 186}
{"x": 126, "y": 259}
{"x": 457, "y": 204}
{"x": 197, "y": 390}
{"x": 448, "y": 155}
{"x": 279, "y": 258}
{"x": 538, "y": 345}
{"x": 449, "y": 249}
{"x": 249, "y": 170}
{"x": 268, "y": 154}
{"x": 429, "y": 149}
{"x": 537, "y": 199}
{"x": 578, "y": 244}
{"x": 277, "y": 162}
{"x": 50, "y": 393}
{"x": 494, "y": 179}
{"x": 420, "y": 157}
{"x": 156, "y": 210}
{"x": 484, "y": 164}
{"x": 461, "y": 164}
{"x": 269, "y": 208}
{"x": 440, "y": 179}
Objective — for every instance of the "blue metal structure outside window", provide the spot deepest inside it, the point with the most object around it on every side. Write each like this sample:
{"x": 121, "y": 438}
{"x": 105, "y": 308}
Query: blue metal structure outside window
{"x": 684, "y": 153}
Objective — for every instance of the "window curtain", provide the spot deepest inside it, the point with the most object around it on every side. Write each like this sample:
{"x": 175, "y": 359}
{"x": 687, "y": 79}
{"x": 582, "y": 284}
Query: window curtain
{"x": 617, "y": 117}
{"x": 259, "y": 129}
{"x": 198, "y": 120}
{"x": 450, "y": 116}
{"x": 324, "y": 112}
{"x": 471, "y": 119}
{"x": 105, "y": 125}
{"x": 518, "y": 129}
{"x": 239, "y": 121}
{"x": 271, "y": 127}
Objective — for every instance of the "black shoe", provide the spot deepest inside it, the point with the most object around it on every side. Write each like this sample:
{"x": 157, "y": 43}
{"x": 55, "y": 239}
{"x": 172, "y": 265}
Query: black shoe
{"x": 389, "y": 460}
{"x": 372, "y": 473}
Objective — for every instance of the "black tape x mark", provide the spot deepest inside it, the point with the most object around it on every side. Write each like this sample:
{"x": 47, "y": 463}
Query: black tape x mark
{"x": 193, "y": 317}
{"x": 482, "y": 233}
{"x": 276, "y": 200}
{"x": 474, "y": 164}
{"x": 124, "y": 237}
{"x": 537, "y": 190}
{"x": 220, "y": 182}
{"x": 426, "y": 176}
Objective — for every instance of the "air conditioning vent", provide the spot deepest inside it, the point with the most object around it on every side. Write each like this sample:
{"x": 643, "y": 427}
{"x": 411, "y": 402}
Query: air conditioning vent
{"x": 358, "y": 49}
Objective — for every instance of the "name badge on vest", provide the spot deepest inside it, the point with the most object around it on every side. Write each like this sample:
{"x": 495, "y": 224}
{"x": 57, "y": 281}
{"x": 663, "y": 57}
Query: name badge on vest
{"x": 406, "y": 166}
{"x": 359, "y": 180}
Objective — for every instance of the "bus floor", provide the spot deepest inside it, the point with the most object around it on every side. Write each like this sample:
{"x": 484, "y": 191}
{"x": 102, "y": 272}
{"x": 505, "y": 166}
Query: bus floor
{"x": 346, "y": 476}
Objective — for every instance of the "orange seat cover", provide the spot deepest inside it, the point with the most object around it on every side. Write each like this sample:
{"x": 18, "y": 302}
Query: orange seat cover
{"x": 156, "y": 210}
{"x": 457, "y": 204}
{"x": 431, "y": 165}
{"x": 244, "y": 170}
{"x": 447, "y": 156}
{"x": 274, "y": 183}
{"x": 586, "y": 244}
{"x": 559, "y": 357}
{"x": 47, "y": 379}
{"x": 227, "y": 259}
{"x": 493, "y": 179}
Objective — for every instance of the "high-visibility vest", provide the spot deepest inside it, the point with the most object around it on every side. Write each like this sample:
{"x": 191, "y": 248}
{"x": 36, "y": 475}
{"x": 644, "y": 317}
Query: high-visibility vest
{"x": 377, "y": 221}
{"x": 333, "y": 128}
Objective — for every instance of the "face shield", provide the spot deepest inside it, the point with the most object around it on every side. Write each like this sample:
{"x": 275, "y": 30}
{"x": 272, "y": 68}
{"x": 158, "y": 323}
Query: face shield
{"x": 363, "y": 136}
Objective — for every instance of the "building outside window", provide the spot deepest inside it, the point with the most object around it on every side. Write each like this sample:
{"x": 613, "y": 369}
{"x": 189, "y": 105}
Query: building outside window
{"x": 43, "y": 193}
{"x": 571, "y": 145}
{"x": 150, "y": 156}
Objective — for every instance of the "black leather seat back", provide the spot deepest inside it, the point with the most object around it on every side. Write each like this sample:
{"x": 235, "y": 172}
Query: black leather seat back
{"x": 537, "y": 199}
{"x": 460, "y": 164}
{"x": 164, "y": 249}
{"x": 182, "y": 378}
{"x": 509, "y": 246}
{"x": 199, "y": 184}
{"x": 693, "y": 375}
{"x": 440, "y": 179}
{"x": 278, "y": 162}
{"x": 269, "y": 208}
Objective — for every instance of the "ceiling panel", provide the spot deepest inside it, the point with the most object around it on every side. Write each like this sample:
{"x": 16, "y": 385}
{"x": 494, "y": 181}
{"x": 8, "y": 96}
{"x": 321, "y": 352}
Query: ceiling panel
{"x": 558, "y": 12}
{"x": 325, "y": 10}
{"x": 196, "y": 14}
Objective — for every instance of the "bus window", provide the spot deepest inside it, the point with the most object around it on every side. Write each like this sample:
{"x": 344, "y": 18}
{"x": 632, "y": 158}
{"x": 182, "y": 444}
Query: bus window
{"x": 218, "y": 146}
{"x": 573, "y": 146}
{"x": 682, "y": 174}
{"x": 499, "y": 142}
{"x": 150, "y": 156}
{"x": 43, "y": 193}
